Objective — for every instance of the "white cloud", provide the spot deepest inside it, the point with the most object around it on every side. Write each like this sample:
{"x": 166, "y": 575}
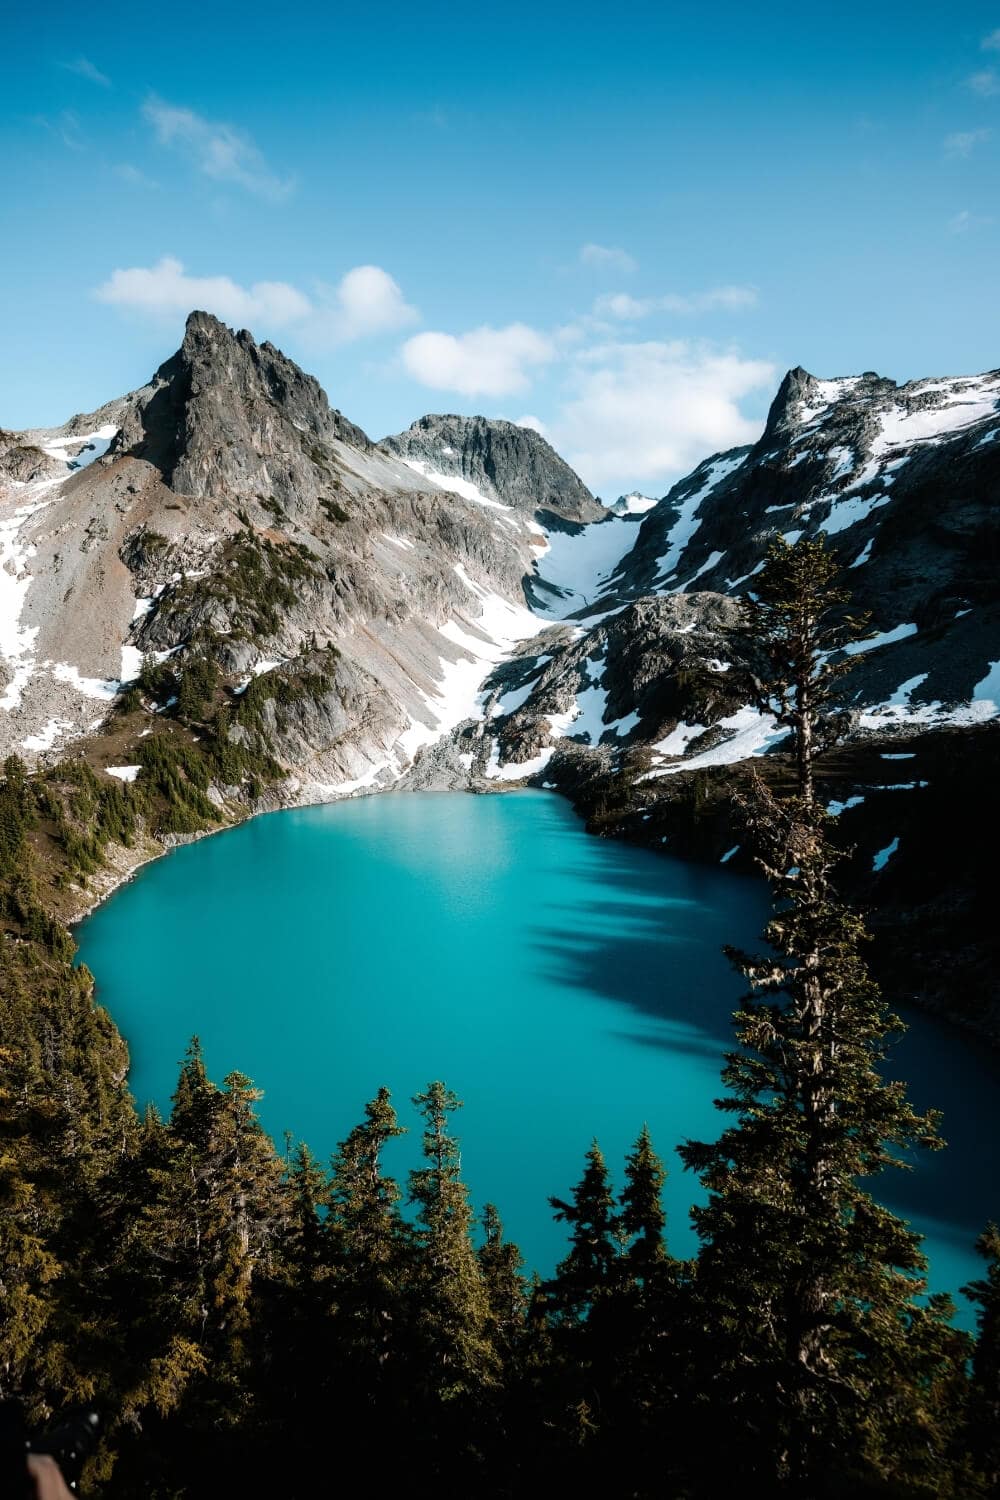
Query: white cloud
{"x": 721, "y": 298}
{"x": 962, "y": 142}
{"x": 991, "y": 43}
{"x": 607, "y": 258}
{"x": 86, "y": 69}
{"x": 218, "y": 150}
{"x": 366, "y": 301}
{"x": 986, "y": 83}
{"x": 651, "y": 411}
{"x": 533, "y": 423}
{"x": 483, "y": 362}
{"x": 166, "y": 288}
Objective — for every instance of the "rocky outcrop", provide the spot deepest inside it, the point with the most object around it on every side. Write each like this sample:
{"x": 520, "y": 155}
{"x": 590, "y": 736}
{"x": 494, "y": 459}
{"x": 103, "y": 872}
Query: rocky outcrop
{"x": 226, "y": 416}
{"x": 507, "y": 463}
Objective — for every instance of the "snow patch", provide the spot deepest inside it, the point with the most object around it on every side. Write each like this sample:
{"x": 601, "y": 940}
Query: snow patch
{"x": 706, "y": 567}
{"x": 456, "y": 485}
{"x": 131, "y": 663}
{"x": 633, "y": 504}
{"x": 884, "y": 638}
{"x": 515, "y": 771}
{"x": 123, "y": 773}
{"x": 90, "y": 687}
{"x": 94, "y": 446}
{"x": 48, "y": 736}
{"x": 751, "y": 734}
{"x": 688, "y": 521}
{"x": 899, "y": 427}
{"x": 883, "y": 856}
{"x": 579, "y": 564}
{"x": 624, "y": 725}
{"x": 845, "y": 513}
{"x": 835, "y": 809}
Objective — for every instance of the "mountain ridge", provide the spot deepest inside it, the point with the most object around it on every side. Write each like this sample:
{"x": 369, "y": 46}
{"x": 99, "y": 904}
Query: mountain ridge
{"x": 452, "y": 607}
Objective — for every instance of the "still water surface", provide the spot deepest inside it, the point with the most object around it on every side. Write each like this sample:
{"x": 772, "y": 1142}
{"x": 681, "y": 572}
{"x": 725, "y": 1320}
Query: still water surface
{"x": 565, "y": 988}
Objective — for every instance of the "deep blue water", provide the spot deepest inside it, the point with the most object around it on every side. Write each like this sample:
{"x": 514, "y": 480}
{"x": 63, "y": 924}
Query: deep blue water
{"x": 565, "y": 988}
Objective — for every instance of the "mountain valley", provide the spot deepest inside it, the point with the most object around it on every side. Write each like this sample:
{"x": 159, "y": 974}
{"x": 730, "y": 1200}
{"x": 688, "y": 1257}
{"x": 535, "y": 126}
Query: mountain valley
{"x": 220, "y": 582}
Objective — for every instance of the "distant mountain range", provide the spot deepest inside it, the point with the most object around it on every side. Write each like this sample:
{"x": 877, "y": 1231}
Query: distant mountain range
{"x": 452, "y": 607}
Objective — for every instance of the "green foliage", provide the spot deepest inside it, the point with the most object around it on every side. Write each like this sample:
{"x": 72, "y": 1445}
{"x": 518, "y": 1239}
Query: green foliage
{"x": 453, "y": 1314}
{"x": 262, "y": 581}
{"x": 198, "y": 687}
{"x": 982, "y": 1433}
{"x": 17, "y": 815}
{"x": 157, "y": 679}
{"x": 274, "y": 507}
{"x": 843, "y": 1363}
{"x": 798, "y": 618}
{"x": 588, "y": 1271}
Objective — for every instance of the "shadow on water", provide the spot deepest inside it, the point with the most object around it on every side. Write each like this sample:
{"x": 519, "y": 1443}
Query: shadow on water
{"x": 658, "y": 954}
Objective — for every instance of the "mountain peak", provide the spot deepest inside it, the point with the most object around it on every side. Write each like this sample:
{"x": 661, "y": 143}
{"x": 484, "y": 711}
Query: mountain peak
{"x": 508, "y": 463}
{"x": 226, "y": 414}
{"x": 791, "y": 395}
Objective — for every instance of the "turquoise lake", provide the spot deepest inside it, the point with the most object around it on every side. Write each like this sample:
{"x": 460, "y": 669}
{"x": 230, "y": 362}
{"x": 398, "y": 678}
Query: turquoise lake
{"x": 565, "y": 987}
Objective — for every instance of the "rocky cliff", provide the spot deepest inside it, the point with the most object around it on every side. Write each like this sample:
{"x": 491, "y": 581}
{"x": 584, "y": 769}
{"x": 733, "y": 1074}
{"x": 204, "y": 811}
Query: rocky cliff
{"x": 510, "y": 464}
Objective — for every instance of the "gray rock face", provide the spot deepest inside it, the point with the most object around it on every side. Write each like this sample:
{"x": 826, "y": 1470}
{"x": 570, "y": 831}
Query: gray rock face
{"x": 513, "y": 465}
{"x": 226, "y": 416}
{"x": 632, "y": 677}
{"x": 234, "y": 514}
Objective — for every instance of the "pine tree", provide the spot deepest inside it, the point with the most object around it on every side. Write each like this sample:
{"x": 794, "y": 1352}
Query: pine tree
{"x": 369, "y": 1245}
{"x": 588, "y": 1271}
{"x": 818, "y": 1349}
{"x": 453, "y": 1310}
{"x": 506, "y": 1288}
{"x": 214, "y": 1208}
{"x": 643, "y": 1218}
{"x": 797, "y": 620}
{"x": 983, "y": 1429}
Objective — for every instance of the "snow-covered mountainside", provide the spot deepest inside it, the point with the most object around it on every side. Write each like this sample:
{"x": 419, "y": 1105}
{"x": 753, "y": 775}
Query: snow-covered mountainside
{"x": 452, "y": 607}
{"x": 903, "y": 480}
{"x": 225, "y": 507}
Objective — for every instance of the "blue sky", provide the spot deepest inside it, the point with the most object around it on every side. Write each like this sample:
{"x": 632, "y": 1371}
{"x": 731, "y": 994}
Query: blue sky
{"x": 622, "y": 223}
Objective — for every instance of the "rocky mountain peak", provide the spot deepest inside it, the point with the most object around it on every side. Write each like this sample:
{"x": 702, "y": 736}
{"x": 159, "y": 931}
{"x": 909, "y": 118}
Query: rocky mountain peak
{"x": 512, "y": 465}
{"x": 802, "y": 397}
{"x": 228, "y": 415}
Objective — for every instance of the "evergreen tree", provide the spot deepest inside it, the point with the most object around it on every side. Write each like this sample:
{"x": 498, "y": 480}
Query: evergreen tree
{"x": 369, "y": 1246}
{"x": 453, "y": 1310}
{"x": 818, "y": 1356}
{"x": 506, "y": 1288}
{"x": 643, "y": 1218}
{"x": 214, "y": 1210}
{"x": 796, "y": 618}
{"x": 983, "y": 1430}
{"x": 588, "y": 1270}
